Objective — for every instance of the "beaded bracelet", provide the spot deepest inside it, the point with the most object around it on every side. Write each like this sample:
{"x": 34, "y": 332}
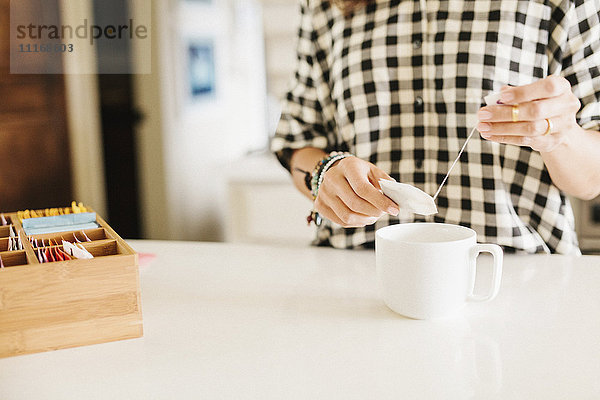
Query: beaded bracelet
{"x": 317, "y": 179}
{"x": 315, "y": 175}
{"x": 322, "y": 166}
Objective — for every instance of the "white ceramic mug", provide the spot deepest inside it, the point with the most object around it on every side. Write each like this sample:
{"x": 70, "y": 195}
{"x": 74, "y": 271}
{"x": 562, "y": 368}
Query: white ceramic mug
{"x": 427, "y": 270}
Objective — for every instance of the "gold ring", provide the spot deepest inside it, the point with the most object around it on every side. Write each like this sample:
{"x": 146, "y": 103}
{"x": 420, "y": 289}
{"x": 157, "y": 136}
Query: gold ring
{"x": 515, "y": 113}
{"x": 550, "y": 127}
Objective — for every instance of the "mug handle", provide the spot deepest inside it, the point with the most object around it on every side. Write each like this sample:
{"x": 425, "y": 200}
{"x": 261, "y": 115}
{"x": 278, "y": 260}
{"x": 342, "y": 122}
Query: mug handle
{"x": 495, "y": 251}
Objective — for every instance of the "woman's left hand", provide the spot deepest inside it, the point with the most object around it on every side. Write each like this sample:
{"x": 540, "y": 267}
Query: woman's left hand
{"x": 540, "y": 115}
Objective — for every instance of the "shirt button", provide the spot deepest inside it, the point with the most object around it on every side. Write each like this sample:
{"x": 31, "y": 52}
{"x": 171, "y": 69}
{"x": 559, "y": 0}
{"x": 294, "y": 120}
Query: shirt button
{"x": 419, "y": 163}
{"x": 417, "y": 44}
{"x": 419, "y": 103}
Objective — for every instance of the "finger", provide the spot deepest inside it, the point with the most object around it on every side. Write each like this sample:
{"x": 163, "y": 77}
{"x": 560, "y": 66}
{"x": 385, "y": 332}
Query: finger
{"x": 364, "y": 189}
{"x": 326, "y": 212}
{"x": 516, "y": 140}
{"x": 346, "y": 217}
{"x": 550, "y": 86}
{"x": 375, "y": 174}
{"x": 532, "y": 110}
{"x": 527, "y": 129}
{"x": 350, "y": 218}
{"x": 357, "y": 204}
{"x": 540, "y": 143}
{"x": 341, "y": 189}
{"x": 332, "y": 188}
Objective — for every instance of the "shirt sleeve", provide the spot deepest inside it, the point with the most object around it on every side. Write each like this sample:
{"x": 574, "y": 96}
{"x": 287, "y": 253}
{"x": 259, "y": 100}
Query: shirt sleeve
{"x": 575, "y": 55}
{"x": 305, "y": 120}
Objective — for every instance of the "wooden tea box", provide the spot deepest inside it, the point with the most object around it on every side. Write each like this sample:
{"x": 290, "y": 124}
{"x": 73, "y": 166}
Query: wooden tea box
{"x": 55, "y": 305}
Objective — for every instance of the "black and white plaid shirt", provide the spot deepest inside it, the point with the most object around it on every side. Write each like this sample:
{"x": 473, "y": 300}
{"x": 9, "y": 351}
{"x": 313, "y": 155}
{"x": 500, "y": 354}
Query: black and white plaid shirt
{"x": 399, "y": 84}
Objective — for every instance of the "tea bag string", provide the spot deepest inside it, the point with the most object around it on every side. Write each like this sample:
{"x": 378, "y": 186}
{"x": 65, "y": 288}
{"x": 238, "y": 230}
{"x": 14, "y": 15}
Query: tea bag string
{"x": 453, "y": 164}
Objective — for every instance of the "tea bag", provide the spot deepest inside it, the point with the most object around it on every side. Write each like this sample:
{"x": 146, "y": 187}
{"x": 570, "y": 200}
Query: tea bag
{"x": 492, "y": 98}
{"x": 409, "y": 198}
{"x": 11, "y": 240}
{"x": 76, "y": 251}
{"x": 40, "y": 255}
{"x": 60, "y": 223}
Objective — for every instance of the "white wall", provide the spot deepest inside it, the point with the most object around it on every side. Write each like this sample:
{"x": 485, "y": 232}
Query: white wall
{"x": 281, "y": 19}
{"x": 185, "y": 145}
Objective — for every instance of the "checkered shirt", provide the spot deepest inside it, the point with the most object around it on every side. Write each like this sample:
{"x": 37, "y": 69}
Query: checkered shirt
{"x": 399, "y": 84}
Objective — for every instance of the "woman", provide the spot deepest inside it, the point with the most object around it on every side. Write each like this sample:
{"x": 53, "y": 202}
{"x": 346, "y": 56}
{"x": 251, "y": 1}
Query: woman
{"x": 398, "y": 85}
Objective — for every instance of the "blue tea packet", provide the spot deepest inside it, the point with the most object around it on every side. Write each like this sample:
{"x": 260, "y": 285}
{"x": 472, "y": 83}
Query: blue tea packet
{"x": 60, "y": 223}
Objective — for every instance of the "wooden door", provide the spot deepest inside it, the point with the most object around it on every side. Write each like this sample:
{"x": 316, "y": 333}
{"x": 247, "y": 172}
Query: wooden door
{"x": 34, "y": 146}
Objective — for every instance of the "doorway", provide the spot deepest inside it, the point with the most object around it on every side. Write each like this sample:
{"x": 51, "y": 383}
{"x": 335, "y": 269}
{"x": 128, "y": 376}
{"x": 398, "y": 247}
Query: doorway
{"x": 35, "y": 166}
{"x": 119, "y": 119}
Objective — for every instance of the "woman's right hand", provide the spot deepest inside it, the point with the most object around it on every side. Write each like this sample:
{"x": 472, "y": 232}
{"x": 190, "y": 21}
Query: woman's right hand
{"x": 350, "y": 194}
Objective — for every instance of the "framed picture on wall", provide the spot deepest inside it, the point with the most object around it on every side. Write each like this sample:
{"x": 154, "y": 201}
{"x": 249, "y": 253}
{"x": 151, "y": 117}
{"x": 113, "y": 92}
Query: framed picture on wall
{"x": 201, "y": 67}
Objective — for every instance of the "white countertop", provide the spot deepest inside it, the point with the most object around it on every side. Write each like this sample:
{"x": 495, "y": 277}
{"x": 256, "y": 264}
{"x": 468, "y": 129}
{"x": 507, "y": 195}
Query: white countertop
{"x": 248, "y": 322}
